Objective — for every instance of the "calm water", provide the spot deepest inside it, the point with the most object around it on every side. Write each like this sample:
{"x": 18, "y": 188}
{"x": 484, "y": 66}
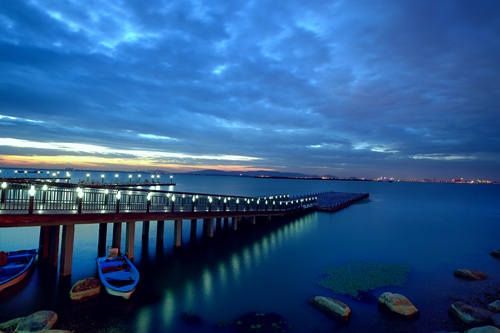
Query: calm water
{"x": 274, "y": 266}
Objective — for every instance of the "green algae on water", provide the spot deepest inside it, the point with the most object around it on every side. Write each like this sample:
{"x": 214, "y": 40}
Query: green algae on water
{"x": 349, "y": 279}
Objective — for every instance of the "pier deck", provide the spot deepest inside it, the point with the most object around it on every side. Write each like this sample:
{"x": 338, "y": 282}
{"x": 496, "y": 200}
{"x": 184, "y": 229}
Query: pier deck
{"x": 52, "y": 206}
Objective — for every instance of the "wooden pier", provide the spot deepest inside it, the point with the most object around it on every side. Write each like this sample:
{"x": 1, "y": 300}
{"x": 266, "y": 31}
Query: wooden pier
{"x": 51, "y": 206}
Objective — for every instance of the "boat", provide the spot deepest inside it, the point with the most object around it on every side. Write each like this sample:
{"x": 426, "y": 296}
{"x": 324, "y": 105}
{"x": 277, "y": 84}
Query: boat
{"x": 14, "y": 266}
{"x": 117, "y": 273}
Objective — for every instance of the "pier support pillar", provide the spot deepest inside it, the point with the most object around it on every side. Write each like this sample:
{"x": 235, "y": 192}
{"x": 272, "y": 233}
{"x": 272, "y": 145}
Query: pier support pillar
{"x": 53, "y": 245}
{"x": 160, "y": 233}
{"x": 226, "y": 222}
{"x": 208, "y": 227}
{"x": 130, "y": 239}
{"x": 192, "y": 234}
{"x": 43, "y": 246}
{"x": 101, "y": 243}
{"x": 218, "y": 224}
{"x": 67, "y": 244}
{"x": 117, "y": 235}
{"x": 160, "y": 230}
{"x": 178, "y": 232}
{"x": 145, "y": 231}
{"x": 235, "y": 223}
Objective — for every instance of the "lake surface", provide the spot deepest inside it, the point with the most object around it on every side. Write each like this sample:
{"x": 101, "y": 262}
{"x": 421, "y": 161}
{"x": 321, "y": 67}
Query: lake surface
{"x": 274, "y": 266}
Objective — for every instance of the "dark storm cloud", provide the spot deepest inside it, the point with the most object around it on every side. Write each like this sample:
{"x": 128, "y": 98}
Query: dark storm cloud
{"x": 339, "y": 87}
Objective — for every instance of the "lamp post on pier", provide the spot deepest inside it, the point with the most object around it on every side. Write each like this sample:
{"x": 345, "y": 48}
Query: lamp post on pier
{"x": 4, "y": 190}
{"x": 32, "y": 198}
{"x": 79, "y": 192}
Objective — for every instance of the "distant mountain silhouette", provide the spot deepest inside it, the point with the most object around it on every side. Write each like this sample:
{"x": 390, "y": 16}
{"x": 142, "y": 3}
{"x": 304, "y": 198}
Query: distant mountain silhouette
{"x": 258, "y": 173}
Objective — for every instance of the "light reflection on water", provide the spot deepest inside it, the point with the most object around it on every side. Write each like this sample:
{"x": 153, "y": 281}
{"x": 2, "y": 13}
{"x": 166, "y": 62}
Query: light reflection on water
{"x": 207, "y": 283}
{"x": 167, "y": 310}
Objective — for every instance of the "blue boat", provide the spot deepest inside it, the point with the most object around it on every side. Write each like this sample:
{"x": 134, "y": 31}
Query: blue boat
{"x": 14, "y": 266}
{"x": 118, "y": 274}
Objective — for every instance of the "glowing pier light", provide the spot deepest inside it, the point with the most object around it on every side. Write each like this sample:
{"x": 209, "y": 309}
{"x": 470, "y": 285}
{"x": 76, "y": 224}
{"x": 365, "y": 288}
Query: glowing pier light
{"x": 116, "y": 178}
{"x": 102, "y": 178}
{"x": 32, "y": 191}
{"x": 118, "y": 195}
{"x": 4, "y": 185}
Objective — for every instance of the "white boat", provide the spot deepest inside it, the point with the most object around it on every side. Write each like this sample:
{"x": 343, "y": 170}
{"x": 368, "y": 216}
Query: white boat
{"x": 117, "y": 273}
{"x": 14, "y": 266}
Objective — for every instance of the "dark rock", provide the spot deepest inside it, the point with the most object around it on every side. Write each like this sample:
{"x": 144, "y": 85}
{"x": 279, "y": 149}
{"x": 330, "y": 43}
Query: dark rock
{"x": 398, "y": 304}
{"x": 494, "y": 306}
{"x": 495, "y": 253}
{"x": 332, "y": 307}
{"x": 470, "y": 314}
{"x": 191, "y": 318}
{"x": 36, "y": 322}
{"x": 483, "y": 329}
{"x": 470, "y": 274}
{"x": 268, "y": 322}
{"x": 496, "y": 319}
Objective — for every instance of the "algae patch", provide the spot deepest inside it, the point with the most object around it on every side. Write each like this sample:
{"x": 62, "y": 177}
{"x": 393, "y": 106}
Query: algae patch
{"x": 355, "y": 277}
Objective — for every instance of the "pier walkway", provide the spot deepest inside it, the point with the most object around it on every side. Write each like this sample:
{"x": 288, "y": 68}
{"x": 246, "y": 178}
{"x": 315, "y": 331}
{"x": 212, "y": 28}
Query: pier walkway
{"x": 51, "y": 206}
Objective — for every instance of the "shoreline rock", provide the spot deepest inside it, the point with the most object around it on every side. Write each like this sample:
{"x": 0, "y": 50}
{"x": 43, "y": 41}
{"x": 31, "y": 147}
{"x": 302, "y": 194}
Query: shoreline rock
{"x": 470, "y": 274}
{"x": 332, "y": 308}
{"x": 496, "y": 319}
{"x": 469, "y": 314}
{"x": 495, "y": 253}
{"x": 483, "y": 329}
{"x": 398, "y": 304}
{"x": 494, "y": 306}
{"x": 38, "y": 321}
{"x": 10, "y": 324}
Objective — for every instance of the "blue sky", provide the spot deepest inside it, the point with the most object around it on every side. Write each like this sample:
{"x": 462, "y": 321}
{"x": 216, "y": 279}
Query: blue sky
{"x": 405, "y": 89}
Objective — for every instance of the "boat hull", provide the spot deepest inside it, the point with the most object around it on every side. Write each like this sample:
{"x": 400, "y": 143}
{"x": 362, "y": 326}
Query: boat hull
{"x": 118, "y": 275}
{"x": 16, "y": 268}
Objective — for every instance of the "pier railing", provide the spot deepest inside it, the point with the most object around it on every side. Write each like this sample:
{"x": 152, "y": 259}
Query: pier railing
{"x": 39, "y": 198}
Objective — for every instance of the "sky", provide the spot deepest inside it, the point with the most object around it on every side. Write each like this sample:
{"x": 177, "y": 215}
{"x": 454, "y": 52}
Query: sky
{"x": 357, "y": 88}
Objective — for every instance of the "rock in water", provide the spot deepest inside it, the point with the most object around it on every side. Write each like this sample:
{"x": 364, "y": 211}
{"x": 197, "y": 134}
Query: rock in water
{"x": 494, "y": 306}
{"x": 470, "y": 314}
{"x": 484, "y": 329}
{"x": 496, "y": 319}
{"x": 398, "y": 304}
{"x": 11, "y": 324}
{"x": 495, "y": 253}
{"x": 36, "y": 322}
{"x": 332, "y": 307}
{"x": 85, "y": 289}
{"x": 470, "y": 274}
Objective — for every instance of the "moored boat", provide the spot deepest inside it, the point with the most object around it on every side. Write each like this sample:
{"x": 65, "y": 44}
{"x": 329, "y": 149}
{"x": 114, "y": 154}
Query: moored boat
{"x": 118, "y": 274}
{"x": 14, "y": 266}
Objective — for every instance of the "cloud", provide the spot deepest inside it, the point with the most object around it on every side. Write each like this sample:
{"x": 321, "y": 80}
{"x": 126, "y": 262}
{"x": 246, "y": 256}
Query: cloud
{"x": 293, "y": 86}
